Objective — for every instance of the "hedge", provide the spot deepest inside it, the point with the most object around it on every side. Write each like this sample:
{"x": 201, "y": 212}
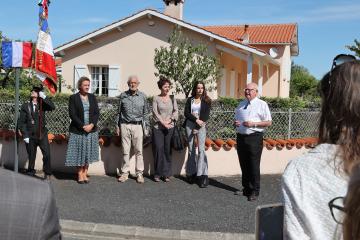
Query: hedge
{"x": 221, "y": 103}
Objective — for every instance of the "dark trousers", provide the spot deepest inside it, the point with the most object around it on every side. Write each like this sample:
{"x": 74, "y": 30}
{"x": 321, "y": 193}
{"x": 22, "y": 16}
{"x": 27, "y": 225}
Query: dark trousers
{"x": 31, "y": 148}
{"x": 161, "y": 146}
{"x": 249, "y": 149}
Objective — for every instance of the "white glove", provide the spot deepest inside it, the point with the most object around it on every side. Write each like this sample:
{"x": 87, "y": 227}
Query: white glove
{"x": 42, "y": 95}
{"x": 27, "y": 140}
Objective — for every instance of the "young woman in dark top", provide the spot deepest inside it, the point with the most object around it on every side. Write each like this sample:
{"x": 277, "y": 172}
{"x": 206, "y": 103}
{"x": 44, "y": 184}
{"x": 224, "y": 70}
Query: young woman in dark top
{"x": 197, "y": 111}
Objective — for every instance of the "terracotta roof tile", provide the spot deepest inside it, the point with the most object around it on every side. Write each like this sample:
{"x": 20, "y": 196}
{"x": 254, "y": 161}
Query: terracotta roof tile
{"x": 258, "y": 34}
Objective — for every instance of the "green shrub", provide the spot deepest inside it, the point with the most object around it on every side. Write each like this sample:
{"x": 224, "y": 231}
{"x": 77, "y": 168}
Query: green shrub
{"x": 224, "y": 103}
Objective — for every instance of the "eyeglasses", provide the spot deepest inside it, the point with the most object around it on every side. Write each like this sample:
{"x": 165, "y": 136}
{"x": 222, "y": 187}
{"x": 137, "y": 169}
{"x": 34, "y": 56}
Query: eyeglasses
{"x": 249, "y": 89}
{"x": 340, "y": 59}
{"x": 337, "y": 209}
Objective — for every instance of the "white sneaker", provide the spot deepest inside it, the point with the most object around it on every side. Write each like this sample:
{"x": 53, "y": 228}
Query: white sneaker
{"x": 123, "y": 177}
{"x": 140, "y": 178}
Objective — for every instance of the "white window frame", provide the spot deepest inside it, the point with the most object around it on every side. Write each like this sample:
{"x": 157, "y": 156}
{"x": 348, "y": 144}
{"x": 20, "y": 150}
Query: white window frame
{"x": 103, "y": 90}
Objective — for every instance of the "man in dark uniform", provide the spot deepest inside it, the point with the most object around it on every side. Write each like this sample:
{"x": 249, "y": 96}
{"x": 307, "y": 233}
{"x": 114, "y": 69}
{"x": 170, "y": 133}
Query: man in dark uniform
{"x": 32, "y": 125}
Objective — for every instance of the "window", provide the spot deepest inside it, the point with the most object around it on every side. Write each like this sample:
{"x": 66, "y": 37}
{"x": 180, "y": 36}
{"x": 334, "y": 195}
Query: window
{"x": 100, "y": 80}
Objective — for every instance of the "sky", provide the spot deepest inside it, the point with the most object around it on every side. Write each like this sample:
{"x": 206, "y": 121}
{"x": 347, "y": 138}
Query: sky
{"x": 325, "y": 27}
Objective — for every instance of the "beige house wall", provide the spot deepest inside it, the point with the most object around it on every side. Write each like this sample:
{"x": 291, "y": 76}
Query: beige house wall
{"x": 132, "y": 49}
{"x": 279, "y": 85}
{"x": 285, "y": 72}
{"x": 133, "y": 46}
{"x": 232, "y": 63}
{"x": 271, "y": 84}
{"x": 270, "y": 73}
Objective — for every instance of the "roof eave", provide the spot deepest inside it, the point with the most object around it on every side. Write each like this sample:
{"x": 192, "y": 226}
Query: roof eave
{"x": 270, "y": 43}
{"x": 164, "y": 17}
{"x": 295, "y": 43}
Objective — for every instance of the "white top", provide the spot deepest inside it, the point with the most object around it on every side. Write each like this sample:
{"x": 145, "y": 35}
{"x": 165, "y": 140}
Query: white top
{"x": 308, "y": 184}
{"x": 256, "y": 110}
{"x": 195, "y": 108}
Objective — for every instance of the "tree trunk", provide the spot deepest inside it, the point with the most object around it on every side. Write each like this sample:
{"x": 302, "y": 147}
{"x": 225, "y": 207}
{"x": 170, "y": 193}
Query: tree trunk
{"x": 187, "y": 94}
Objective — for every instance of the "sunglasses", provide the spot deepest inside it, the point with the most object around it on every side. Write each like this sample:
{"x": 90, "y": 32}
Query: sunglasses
{"x": 340, "y": 59}
{"x": 337, "y": 209}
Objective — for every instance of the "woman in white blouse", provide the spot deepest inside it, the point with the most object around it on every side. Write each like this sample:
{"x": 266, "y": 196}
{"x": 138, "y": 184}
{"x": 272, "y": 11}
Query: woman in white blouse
{"x": 312, "y": 180}
{"x": 197, "y": 112}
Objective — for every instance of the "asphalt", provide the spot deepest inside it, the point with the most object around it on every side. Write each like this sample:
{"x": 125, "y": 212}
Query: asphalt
{"x": 176, "y": 205}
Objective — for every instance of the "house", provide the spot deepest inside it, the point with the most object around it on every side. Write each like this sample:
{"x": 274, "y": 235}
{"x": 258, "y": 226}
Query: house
{"x": 247, "y": 53}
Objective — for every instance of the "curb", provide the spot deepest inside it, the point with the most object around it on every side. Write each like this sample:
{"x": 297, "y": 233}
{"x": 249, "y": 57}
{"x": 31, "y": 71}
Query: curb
{"x": 113, "y": 231}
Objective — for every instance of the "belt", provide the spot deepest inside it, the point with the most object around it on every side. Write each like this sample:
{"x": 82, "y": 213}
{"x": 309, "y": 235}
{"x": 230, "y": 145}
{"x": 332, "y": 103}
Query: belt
{"x": 133, "y": 122}
{"x": 251, "y": 134}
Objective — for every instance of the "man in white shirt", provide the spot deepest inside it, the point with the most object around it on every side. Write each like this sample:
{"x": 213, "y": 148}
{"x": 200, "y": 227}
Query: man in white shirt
{"x": 251, "y": 117}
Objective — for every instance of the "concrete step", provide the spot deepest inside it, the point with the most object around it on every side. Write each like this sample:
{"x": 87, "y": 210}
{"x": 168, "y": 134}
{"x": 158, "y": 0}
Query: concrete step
{"x": 72, "y": 230}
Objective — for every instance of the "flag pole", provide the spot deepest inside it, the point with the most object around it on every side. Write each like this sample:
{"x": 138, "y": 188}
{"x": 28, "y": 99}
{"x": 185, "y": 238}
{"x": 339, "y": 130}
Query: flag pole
{"x": 17, "y": 76}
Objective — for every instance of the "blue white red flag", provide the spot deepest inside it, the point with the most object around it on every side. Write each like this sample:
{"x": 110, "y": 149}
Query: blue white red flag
{"x": 44, "y": 57}
{"x": 16, "y": 54}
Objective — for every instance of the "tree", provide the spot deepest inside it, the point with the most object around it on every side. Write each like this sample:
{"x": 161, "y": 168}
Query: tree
{"x": 184, "y": 63}
{"x": 355, "y": 48}
{"x": 302, "y": 83}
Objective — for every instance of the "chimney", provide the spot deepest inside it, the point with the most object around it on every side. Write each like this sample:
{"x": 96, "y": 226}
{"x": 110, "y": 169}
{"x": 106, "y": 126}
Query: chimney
{"x": 174, "y": 8}
{"x": 246, "y": 37}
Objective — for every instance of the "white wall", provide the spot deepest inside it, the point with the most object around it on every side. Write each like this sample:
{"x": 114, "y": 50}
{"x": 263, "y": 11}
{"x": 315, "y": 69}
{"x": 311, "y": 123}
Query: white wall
{"x": 221, "y": 163}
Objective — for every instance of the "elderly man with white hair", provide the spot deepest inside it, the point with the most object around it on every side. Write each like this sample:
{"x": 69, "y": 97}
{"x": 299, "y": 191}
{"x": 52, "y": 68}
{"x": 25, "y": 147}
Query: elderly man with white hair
{"x": 133, "y": 110}
{"x": 252, "y": 116}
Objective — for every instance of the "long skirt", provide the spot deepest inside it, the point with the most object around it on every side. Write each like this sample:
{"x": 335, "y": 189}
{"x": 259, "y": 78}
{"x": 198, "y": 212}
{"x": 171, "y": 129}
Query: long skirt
{"x": 82, "y": 149}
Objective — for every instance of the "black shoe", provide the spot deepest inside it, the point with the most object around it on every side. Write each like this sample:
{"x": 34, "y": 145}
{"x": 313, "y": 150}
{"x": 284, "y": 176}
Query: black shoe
{"x": 246, "y": 192}
{"x": 203, "y": 181}
{"x": 47, "y": 177}
{"x": 191, "y": 179}
{"x": 206, "y": 180}
{"x": 31, "y": 172}
{"x": 252, "y": 197}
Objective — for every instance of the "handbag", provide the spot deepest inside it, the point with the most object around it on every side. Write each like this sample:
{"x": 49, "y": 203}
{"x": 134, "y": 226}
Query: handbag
{"x": 146, "y": 129}
{"x": 146, "y": 133}
{"x": 177, "y": 141}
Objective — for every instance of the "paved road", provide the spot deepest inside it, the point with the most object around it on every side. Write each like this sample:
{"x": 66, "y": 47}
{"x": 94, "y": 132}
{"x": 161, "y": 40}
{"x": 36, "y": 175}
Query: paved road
{"x": 175, "y": 205}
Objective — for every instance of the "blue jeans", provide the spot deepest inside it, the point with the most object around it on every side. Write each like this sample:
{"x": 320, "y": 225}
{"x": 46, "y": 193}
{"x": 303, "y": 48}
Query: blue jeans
{"x": 196, "y": 163}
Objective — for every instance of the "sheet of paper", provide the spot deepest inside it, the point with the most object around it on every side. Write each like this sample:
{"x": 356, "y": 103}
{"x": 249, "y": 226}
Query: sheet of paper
{"x": 242, "y": 115}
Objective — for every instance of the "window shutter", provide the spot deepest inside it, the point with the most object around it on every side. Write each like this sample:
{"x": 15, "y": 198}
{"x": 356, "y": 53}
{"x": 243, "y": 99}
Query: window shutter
{"x": 79, "y": 71}
{"x": 114, "y": 79}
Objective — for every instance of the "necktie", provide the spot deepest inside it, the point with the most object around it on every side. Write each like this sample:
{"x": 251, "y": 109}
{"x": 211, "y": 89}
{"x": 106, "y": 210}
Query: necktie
{"x": 247, "y": 104}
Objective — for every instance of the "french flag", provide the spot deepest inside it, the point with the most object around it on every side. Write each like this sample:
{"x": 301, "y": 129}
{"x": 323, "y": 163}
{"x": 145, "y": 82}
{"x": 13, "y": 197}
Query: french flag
{"x": 44, "y": 57}
{"x": 16, "y": 54}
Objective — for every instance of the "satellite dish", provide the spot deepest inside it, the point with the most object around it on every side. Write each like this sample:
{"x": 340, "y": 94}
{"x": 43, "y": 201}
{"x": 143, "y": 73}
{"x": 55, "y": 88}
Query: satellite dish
{"x": 273, "y": 52}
